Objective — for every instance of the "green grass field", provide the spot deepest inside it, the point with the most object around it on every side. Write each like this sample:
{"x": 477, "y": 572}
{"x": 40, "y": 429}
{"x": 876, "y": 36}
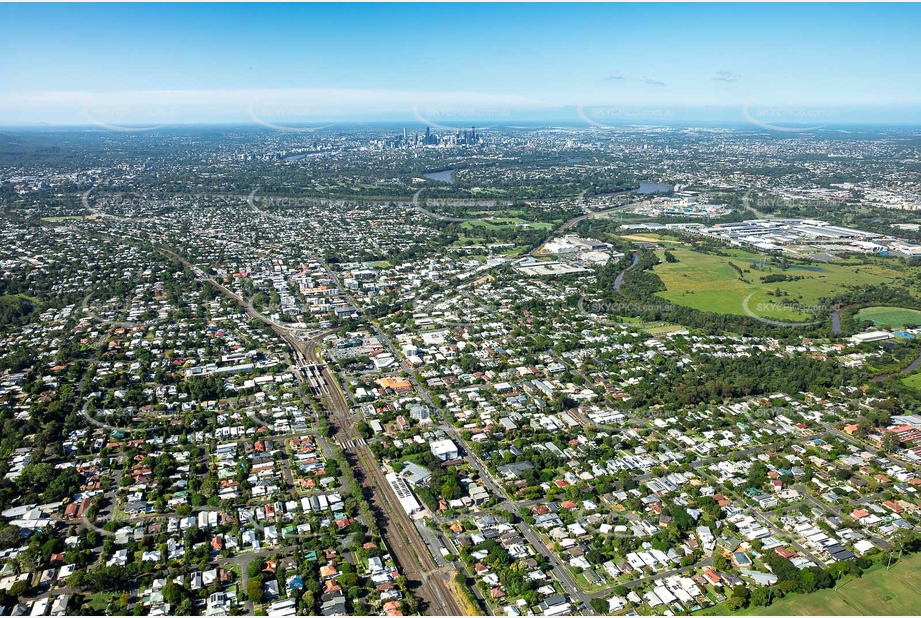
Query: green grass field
{"x": 504, "y": 212}
{"x": 464, "y": 241}
{"x": 662, "y": 328}
{"x": 98, "y": 601}
{"x": 708, "y": 283}
{"x": 914, "y": 381}
{"x": 501, "y": 222}
{"x": 893, "y": 317}
{"x": 878, "y": 593}
{"x": 62, "y": 218}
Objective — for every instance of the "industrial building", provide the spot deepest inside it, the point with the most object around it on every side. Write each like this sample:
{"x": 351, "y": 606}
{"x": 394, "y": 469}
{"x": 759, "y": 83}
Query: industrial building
{"x": 871, "y": 337}
{"x": 773, "y": 234}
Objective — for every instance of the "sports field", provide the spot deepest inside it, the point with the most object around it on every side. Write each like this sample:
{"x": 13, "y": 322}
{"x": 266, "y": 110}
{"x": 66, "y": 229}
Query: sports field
{"x": 662, "y": 328}
{"x": 878, "y": 593}
{"x": 893, "y": 317}
{"x": 709, "y": 283}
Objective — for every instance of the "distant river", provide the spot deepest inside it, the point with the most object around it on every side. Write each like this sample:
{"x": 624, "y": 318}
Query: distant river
{"x": 653, "y": 187}
{"x": 442, "y": 176}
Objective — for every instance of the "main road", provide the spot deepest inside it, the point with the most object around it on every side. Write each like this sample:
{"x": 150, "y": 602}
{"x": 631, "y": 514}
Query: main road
{"x": 505, "y": 502}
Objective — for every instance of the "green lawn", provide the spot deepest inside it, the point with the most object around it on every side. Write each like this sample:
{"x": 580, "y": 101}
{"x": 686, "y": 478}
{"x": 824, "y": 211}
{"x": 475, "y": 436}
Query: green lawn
{"x": 61, "y": 218}
{"x": 514, "y": 252}
{"x": 16, "y": 299}
{"x": 708, "y": 283}
{"x": 497, "y": 223}
{"x": 893, "y": 317}
{"x": 914, "y": 381}
{"x": 464, "y": 241}
{"x": 662, "y": 328}
{"x": 98, "y": 601}
{"x": 583, "y": 584}
{"x": 878, "y": 593}
{"x": 505, "y": 212}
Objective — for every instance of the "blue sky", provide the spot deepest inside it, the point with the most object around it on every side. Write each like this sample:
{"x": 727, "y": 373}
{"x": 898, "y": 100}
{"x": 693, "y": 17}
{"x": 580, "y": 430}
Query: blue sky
{"x": 167, "y": 63}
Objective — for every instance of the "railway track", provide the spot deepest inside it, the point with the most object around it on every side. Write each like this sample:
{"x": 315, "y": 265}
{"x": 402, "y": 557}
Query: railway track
{"x": 403, "y": 540}
{"x": 407, "y": 546}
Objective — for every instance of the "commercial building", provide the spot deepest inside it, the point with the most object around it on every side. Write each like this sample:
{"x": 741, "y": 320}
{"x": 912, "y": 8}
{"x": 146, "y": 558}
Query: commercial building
{"x": 415, "y": 474}
{"x": 404, "y": 494}
{"x": 445, "y": 450}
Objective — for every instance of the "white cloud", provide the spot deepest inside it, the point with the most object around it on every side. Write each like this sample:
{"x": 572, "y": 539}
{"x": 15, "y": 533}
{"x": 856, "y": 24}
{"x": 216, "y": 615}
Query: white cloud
{"x": 726, "y": 76}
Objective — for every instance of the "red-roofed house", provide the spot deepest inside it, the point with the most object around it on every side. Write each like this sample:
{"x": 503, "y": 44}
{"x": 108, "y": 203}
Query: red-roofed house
{"x": 712, "y": 577}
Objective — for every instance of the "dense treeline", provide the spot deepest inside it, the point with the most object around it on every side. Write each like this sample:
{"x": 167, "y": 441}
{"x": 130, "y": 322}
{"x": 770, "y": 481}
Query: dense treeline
{"x": 15, "y": 310}
{"x": 715, "y": 379}
{"x": 778, "y": 278}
